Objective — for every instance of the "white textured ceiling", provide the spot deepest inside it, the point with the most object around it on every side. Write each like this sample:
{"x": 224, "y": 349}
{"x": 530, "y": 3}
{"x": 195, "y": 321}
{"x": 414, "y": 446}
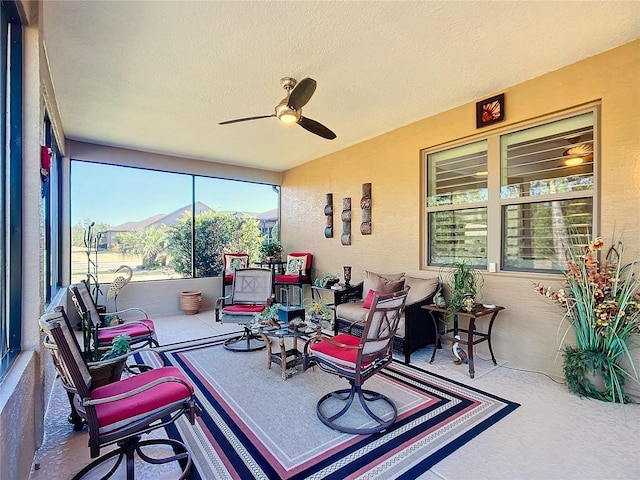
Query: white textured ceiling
{"x": 158, "y": 76}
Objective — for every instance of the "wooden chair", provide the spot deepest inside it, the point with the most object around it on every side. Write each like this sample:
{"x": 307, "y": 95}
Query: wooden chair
{"x": 122, "y": 411}
{"x": 357, "y": 359}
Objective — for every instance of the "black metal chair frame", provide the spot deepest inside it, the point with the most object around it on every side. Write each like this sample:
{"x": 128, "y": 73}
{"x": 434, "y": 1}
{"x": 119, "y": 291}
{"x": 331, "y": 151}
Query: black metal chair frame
{"x": 374, "y": 351}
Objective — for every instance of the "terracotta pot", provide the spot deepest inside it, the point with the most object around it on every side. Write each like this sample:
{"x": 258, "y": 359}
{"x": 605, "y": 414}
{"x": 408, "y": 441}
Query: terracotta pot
{"x": 190, "y": 302}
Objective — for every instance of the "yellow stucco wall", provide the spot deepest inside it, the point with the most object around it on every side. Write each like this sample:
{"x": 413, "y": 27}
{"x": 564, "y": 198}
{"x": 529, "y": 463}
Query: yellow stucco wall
{"x": 525, "y": 334}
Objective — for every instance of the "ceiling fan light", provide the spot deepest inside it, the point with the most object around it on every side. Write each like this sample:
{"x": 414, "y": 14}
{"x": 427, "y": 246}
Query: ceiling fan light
{"x": 288, "y": 117}
{"x": 573, "y": 161}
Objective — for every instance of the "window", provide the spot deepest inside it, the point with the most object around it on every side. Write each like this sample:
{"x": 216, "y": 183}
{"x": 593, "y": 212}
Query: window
{"x": 457, "y": 204}
{"x": 542, "y": 203}
{"x": 52, "y": 194}
{"x": 145, "y": 219}
{"x": 547, "y": 192}
{"x": 11, "y": 183}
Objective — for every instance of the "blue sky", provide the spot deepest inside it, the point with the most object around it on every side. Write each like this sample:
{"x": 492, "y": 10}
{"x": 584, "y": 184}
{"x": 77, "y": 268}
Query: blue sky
{"x": 115, "y": 195}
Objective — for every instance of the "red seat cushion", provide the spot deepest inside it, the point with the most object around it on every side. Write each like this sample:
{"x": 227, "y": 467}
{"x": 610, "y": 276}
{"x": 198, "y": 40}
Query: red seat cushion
{"x": 243, "y": 309}
{"x": 290, "y": 278}
{"x": 121, "y": 412}
{"x": 139, "y": 328}
{"x": 335, "y": 353}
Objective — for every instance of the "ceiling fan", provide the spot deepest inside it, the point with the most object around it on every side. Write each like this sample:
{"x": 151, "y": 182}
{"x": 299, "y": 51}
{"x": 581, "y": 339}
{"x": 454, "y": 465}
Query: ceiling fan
{"x": 289, "y": 110}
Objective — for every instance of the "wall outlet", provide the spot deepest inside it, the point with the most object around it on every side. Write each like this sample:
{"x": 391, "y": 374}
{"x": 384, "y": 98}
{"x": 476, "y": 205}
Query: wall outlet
{"x": 493, "y": 267}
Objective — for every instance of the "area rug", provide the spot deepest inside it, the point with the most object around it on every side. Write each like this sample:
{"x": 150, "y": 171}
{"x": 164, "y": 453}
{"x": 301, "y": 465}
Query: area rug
{"x": 255, "y": 425}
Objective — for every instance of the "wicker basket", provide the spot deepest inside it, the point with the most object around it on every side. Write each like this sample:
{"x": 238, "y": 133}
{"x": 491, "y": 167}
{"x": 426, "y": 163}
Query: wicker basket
{"x": 190, "y": 302}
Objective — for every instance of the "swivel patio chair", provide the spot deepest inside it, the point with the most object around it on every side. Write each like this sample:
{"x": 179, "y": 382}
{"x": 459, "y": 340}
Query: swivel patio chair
{"x": 251, "y": 294}
{"x": 122, "y": 411}
{"x": 357, "y": 359}
{"x": 142, "y": 332}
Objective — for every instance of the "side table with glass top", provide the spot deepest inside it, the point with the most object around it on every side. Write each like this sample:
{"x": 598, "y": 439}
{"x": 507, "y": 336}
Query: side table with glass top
{"x": 288, "y": 359}
{"x": 472, "y": 338}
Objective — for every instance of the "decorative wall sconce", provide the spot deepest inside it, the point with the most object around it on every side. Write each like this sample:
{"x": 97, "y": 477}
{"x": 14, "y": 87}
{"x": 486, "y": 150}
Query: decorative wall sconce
{"x": 328, "y": 211}
{"x": 346, "y": 221}
{"x": 365, "y": 205}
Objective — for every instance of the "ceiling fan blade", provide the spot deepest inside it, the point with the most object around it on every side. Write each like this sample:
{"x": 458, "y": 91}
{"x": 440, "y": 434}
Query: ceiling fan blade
{"x": 317, "y": 128}
{"x": 245, "y": 119}
{"x": 301, "y": 93}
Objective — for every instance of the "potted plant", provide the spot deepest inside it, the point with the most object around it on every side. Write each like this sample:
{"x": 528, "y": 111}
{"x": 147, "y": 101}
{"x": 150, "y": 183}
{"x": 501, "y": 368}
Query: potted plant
{"x": 601, "y": 305}
{"x": 111, "y": 365}
{"x": 270, "y": 249}
{"x": 326, "y": 280}
{"x": 269, "y": 316}
{"x": 465, "y": 283}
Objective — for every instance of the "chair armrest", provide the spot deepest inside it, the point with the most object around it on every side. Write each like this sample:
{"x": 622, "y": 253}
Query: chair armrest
{"x": 156, "y": 351}
{"x": 131, "y": 322}
{"x": 352, "y": 293}
{"x": 132, "y": 309}
{"x": 135, "y": 391}
{"x": 220, "y": 301}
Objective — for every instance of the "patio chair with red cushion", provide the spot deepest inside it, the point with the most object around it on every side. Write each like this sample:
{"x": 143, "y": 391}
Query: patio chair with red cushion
{"x": 297, "y": 271}
{"x": 142, "y": 332}
{"x": 122, "y": 411}
{"x": 251, "y": 294}
{"x": 357, "y": 359}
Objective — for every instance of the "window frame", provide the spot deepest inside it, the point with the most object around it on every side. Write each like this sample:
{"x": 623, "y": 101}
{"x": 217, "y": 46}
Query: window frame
{"x": 495, "y": 204}
{"x": 11, "y": 55}
{"x": 193, "y": 198}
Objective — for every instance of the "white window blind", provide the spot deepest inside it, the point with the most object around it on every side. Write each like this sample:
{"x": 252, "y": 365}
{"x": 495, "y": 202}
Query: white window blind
{"x": 547, "y": 192}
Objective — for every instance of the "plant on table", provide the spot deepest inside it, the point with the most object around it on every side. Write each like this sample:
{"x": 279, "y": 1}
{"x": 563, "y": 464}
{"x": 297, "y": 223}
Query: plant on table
{"x": 270, "y": 249}
{"x": 269, "y": 316}
{"x": 464, "y": 282}
{"x": 326, "y": 280}
{"x": 601, "y": 304}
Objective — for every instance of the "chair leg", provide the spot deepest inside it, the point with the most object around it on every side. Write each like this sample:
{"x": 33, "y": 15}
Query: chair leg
{"x": 74, "y": 417}
{"x": 365, "y": 397}
{"x": 127, "y": 450}
{"x": 248, "y": 342}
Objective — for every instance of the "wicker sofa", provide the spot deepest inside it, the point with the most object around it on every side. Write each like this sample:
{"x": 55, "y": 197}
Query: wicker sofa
{"x": 416, "y": 328}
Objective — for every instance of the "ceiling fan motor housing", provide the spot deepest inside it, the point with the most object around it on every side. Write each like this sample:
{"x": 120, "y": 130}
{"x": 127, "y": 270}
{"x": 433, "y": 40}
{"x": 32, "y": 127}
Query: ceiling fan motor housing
{"x": 285, "y": 113}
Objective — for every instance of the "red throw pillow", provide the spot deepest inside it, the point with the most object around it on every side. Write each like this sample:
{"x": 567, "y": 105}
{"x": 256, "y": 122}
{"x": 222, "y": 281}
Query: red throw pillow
{"x": 368, "y": 299}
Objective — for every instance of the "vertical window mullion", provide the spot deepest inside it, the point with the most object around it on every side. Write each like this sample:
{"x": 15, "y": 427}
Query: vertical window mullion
{"x": 494, "y": 223}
